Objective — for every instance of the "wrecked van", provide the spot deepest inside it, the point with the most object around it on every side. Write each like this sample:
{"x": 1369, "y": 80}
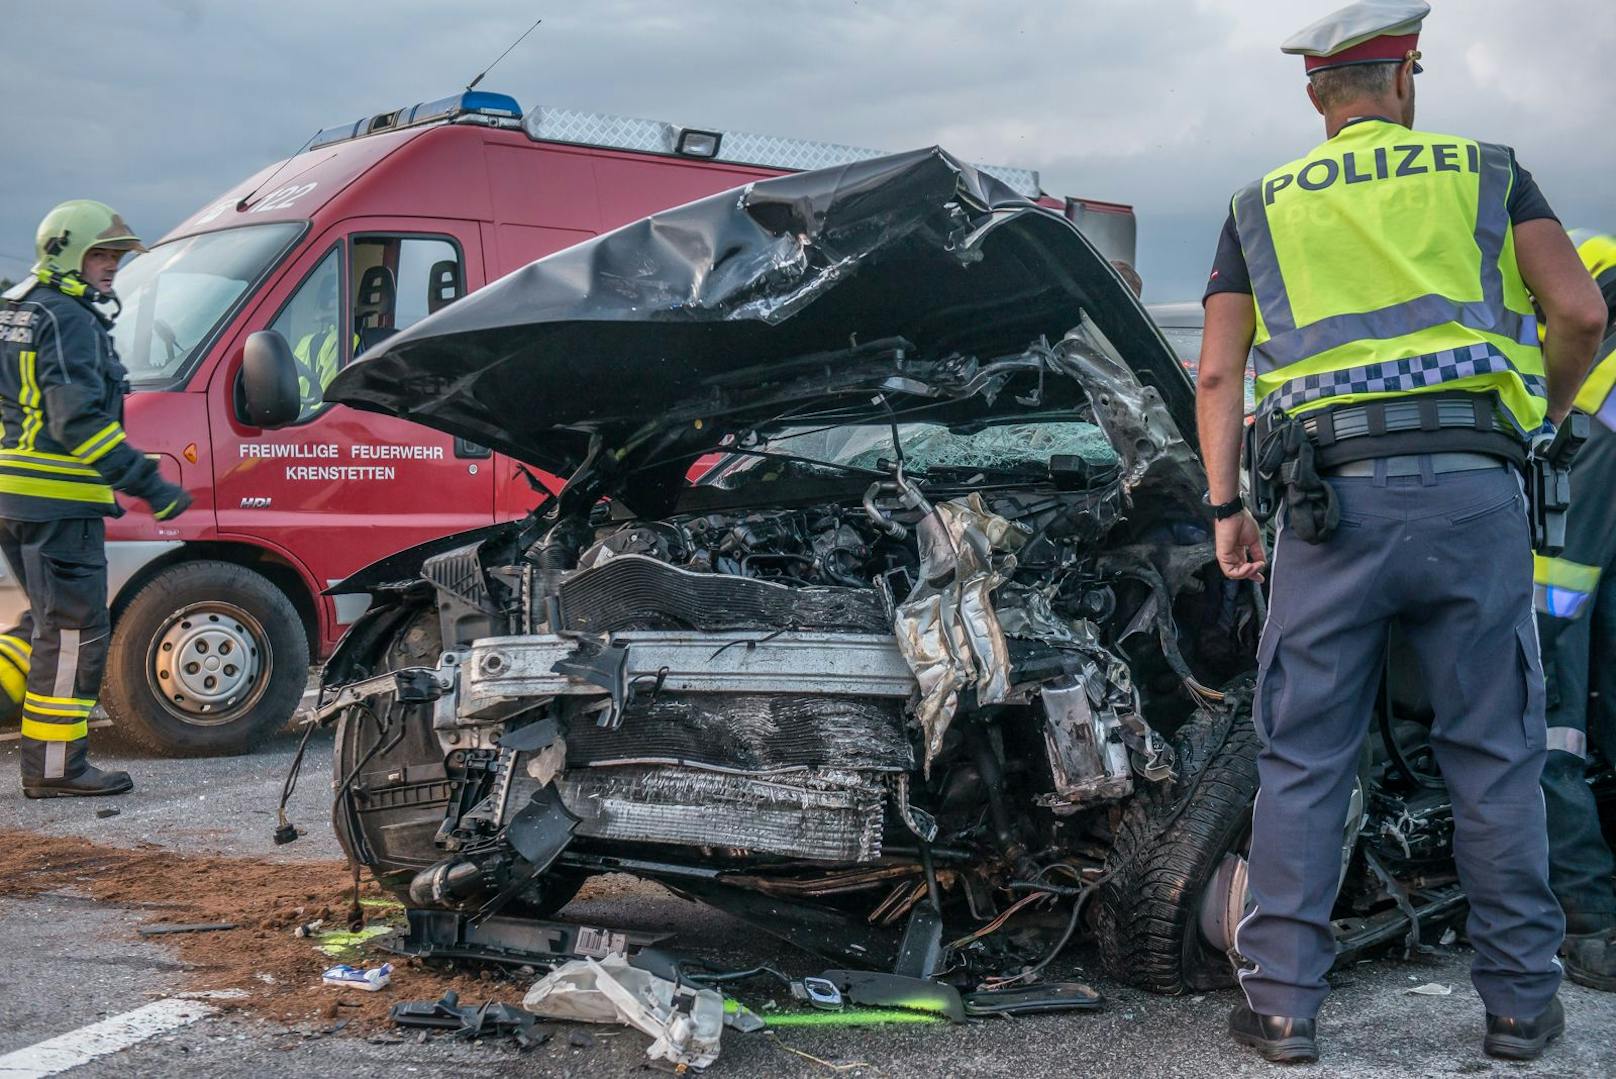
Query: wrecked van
{"x": 935, "y": 641}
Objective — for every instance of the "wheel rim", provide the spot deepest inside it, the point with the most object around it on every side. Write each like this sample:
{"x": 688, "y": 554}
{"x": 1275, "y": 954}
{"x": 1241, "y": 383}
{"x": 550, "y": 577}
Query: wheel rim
{"x": 209, "y": 663}
{"x": 1223, "y": 901}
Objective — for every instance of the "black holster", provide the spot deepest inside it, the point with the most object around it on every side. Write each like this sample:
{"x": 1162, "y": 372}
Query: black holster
{"x": 1548, "y": 484}
{"x": 1282, "y": 466}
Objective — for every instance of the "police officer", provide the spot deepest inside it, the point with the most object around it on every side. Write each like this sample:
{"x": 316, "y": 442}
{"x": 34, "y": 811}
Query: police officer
{"x": 62, "y": 453}
{"x": 1382, "y": 283}
{"x": 1575, "y": 596}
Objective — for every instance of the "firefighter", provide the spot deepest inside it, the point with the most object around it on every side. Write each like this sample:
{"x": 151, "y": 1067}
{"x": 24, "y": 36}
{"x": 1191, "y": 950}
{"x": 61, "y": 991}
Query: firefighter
{"x": 1575, "y": 596}
{"x": 62, "y": 453}
{"x": 1382, "y": 282}
{"x": 317, "y": 357}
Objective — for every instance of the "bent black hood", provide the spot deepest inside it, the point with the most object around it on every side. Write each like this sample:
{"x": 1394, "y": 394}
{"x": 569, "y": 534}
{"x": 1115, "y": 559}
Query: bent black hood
{"x": 786, "y": 295}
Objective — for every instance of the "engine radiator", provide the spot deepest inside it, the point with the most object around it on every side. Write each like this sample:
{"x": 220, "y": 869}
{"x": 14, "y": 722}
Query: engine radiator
{"x": 825, "y": 816}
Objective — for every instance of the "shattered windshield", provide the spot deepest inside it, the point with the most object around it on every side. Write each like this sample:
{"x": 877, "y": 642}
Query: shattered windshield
{"x": 1013, "y": 448}
{"x": 176, "y": 294}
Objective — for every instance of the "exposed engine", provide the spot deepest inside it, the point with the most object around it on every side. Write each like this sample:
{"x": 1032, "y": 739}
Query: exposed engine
{"x": 739, "y": 680}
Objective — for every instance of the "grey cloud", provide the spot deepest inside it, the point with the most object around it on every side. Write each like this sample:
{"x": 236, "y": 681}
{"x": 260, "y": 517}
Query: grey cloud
{"x": 1168, "y": 104}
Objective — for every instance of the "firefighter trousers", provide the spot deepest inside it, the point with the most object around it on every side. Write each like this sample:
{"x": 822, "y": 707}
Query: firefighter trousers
{"x": 1446, "y": 558}
{"x": 62, "y": 566}
{"x": 1579, "y": 665}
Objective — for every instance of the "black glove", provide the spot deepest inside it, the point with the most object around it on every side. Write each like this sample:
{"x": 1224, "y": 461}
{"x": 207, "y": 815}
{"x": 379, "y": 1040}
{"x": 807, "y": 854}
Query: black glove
{"x": 168, "y": 501}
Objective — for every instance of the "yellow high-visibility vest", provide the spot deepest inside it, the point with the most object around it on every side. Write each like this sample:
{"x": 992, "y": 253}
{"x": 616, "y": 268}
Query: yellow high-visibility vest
{"x": 1383, "y": 265}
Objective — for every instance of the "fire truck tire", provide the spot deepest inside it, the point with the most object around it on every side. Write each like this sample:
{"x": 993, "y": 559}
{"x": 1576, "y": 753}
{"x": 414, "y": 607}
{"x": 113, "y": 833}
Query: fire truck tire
{"x": 207, "y": 659}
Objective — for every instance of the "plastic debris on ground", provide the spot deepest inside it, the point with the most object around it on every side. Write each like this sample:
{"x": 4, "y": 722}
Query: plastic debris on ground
{"x": 470, "y": 1021}
{"x": 738, "y": 1016}
{"x": 370, "y": 980}
{"x": 1432, "y": 989}
{"x": 685, "y": 1023}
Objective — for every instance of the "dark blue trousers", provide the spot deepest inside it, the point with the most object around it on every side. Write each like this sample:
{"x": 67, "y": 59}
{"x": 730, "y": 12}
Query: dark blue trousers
{"x": 1447, "y": 558}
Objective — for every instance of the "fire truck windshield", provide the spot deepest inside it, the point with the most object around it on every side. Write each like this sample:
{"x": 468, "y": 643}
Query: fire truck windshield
{"x": 177, "y": 294}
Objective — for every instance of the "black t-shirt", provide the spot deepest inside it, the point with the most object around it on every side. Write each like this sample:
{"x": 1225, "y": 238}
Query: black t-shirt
{"x": 1526, "y": 203}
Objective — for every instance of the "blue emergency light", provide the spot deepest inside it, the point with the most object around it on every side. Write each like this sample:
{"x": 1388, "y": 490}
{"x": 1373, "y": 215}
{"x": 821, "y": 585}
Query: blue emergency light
{"x": 477, "y": 106}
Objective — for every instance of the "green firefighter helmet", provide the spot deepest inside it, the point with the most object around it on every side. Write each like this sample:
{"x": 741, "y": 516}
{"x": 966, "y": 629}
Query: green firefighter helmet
{"x": 74, "y": 227}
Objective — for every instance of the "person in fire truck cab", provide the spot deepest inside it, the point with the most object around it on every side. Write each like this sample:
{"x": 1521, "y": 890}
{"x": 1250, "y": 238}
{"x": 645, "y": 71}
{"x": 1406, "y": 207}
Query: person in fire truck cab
{"x": 63, "y": 452}
{"x": 318, "y": 352}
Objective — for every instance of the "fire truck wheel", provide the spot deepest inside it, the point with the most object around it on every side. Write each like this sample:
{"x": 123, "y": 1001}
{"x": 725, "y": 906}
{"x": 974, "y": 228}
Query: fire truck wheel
{"x": 207, "y": 659}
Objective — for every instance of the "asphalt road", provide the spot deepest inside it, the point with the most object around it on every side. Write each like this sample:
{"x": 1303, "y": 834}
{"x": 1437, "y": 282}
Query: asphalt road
{"x": 66, "y": 962}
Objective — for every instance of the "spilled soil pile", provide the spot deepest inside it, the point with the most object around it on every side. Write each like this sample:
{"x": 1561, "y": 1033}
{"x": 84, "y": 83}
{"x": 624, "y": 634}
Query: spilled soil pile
{"x": 267, "y": 902}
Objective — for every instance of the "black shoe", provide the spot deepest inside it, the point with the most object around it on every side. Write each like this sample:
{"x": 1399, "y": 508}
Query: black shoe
{"x": 1523, "y": 1039}
{"x": 1279, "y": 1038}
{"x": 87, "y": 784}
{"x": 1590, "y": 959}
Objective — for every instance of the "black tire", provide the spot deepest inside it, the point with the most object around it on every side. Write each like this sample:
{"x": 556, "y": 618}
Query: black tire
{"x": 1160, "y": 864}
{"x": 211, "y": 612}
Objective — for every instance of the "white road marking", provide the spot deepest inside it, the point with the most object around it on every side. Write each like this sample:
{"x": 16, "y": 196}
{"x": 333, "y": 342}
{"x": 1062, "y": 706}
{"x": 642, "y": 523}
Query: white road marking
{"x": 112, "y": 1035}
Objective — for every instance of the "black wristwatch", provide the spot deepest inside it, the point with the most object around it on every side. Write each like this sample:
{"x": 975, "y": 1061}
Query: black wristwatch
{"x": 1223, "y": 510}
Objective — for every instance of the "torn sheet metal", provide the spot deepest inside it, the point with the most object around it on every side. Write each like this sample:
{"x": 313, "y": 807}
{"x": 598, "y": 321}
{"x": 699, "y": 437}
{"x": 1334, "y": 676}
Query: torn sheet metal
{"x": 684, "y": 1023}
{"x": 1087, "y": 756}
{"x": 1091, "y": 719}
{"x": 947, "y": 628}
{"x": 1155, "y": 439}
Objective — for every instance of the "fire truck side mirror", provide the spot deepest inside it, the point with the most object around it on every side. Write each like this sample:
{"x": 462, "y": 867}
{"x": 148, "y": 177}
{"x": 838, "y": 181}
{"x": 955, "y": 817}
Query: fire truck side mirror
{"x": 268, "y": 394}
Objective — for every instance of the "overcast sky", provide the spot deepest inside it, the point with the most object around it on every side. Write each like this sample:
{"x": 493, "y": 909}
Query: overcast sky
{"x": 158, "y": 106}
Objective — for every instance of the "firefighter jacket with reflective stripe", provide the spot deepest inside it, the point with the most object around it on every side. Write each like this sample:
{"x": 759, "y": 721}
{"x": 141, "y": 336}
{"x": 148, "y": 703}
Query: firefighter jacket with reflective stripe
{"x": 1382, "y": 265}
{"x": 62, "y": 443}
{"x": 1598, "y": 394}
{"x": 1598, "y": 252}
{"x": 317, "y": 365}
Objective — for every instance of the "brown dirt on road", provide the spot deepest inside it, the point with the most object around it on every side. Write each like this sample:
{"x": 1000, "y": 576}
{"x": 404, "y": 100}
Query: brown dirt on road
{"x": 279, "y": 972}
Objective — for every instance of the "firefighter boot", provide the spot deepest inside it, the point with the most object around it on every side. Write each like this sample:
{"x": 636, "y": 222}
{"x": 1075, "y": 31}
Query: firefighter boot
{"x": 62, "y": 769}
{"x": 1590, "y": 959}
{"x": 91, "y": 782}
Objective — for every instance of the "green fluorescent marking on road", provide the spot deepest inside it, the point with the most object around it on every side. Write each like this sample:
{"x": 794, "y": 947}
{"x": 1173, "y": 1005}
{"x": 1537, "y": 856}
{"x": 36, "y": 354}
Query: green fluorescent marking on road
{"x": 848, "y": 1017}
{"x": 340, "y": 943}
{"x": 382, "y": 904}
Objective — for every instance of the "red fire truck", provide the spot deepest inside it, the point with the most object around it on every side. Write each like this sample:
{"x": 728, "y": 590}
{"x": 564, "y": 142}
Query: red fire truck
{"x": 218, "y": 615}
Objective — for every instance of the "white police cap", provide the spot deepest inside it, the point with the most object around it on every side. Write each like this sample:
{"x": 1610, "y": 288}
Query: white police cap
{"x": 1367, "y": 32}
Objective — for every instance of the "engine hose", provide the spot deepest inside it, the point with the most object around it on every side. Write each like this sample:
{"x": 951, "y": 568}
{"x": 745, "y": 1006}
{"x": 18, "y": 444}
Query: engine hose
{"x": 987, "y": 766}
